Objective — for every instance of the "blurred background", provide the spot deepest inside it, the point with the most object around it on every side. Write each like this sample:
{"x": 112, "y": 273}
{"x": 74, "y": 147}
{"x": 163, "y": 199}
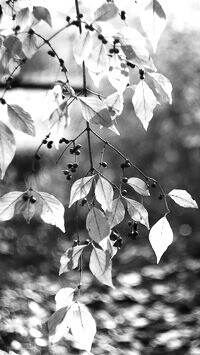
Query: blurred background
{"x": 154, "y": 309}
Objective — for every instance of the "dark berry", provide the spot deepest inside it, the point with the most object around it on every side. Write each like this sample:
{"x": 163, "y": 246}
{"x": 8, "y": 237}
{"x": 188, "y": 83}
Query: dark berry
{"x": 3, "y": 101}
{"x": 123, "y": 165}
{"x": 127, "y": 163}
{"x": 154, "y": 184}
{"x": 141, "y": 72}
{"x": 111, "y": 50}
{"x": 68, "y": 18}
{"x": 130, "y": 223}
{"x": 75, "y": 243}
{"x": 51, "y": 53}
{"x": 104, "y": 164}
{"x": 69, "y": 177}
{"x": 73, "y": 170}
{"x": 131, "y": 65}
{"x": 104, "y": 41}
{"x": 87, "y": 27}
{"x": 37, "y": 156}
{"x": 124, "y": 192}
{"x": 44, "y": 141}
{"x": 49, "y": 144}
{"x": 75, "y": 165}
{"x": 69, "y": 165}
{"x": 85, "y": 242}
{"x": 66, "y": 172}
{"x": 84, "y": 201}
{"x": 78, "y": 152}
{"x": 91, "y": 28}
{"x": 78, "y": 146}
{"x": 100, "y": 37}
{"x": 71, "y": 150}
{"x": 61, "y": 61}
{"x": 80, "y": 16}
{"x": 17, "y": 28}
{"x": 32, "y": 199}
{"x": 116, "y": 50}
{"x": 125, "y": 179}
{"x": 25, "y": 197}
{"x": 113, "y": 235}
{"x": 135, "y": 226}
{"x": 31, "y": 32}
{"x": 116, "y": 40}
{"x": 161, "y": 196}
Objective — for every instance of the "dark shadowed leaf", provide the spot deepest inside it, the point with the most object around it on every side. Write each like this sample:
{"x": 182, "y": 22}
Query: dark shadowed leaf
{"x": 106, "y": 12}
{"x": 41, "y": 13}
{"x": 97, "y": 225}
{"x": 160, "y": 236}
{"x": 80, "y": 189}
{"x": 21, "y": 120}
{"x": 104, "y": 193}
{"x": 7, "y": 148}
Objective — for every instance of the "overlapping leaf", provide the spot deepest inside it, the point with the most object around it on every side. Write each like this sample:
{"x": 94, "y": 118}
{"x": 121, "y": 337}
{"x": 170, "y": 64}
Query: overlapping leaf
{"x": 83, "y": 47}
{"x": 29, "y": 45}
{"x": 97, "y": 63}
{"x": 20, "y": 119}
{"x": 144, "y": 102}
{"x": 42, "y": 13}
{"x": 97, "y": 225}
{"x": 104, "y": 193}
{"x": 95, "y": 111}
{"x": 52, "y": 210}
{"x": 58, "y": 122}
{"x": 117, "y": 213}
{"x": 183, "y": 198}
{"x": 139, "y": 186}
{"x": 80, "y": 189}
{"x": 7, "y": 148}
{"x": 118, "y": 75}
{"x": 106, "y": 12}
{"x": 137, "y": 212}
{"x": 69, "y": 260}
{"x": 24, "y": 18}
{"x": 101, "y": 266}
{"x": 115, "y": 103}
{"x": 153, "y": 21}
{"x": 163, "y": 87}
{"x": 160, "y": 236}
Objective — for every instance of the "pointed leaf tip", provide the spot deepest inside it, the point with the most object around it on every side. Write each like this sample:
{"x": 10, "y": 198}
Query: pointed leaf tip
{"x": 160, "y": 237}
{"x": 183, "y": 198}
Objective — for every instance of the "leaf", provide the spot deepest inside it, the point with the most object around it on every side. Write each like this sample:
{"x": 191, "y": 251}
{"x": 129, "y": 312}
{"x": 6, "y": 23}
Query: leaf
{"x": 13, "y": 47}
{"x": 97, "y": 225}
{"x": 97, "y": 63}
{"x": 133, "y": 45}
{"x": 144, "y": 102}
{"x": 21, "y": 120}
{"x": 41, "y": 13}
{"x": 52, "y": 210}
{"x": 7, "y": 204}
{"x": 139, "y": 186}
{"x": 163, "y": 87}
{"x": 118, "y": 75}
{"x": 115, "y": 103}
{"x": 101, "y": 266}
{"x": 160, "y": 236}
{"x": 153, "y": 21}
{"x": 95, "y": 111}
{"x": 117, "y": 213}
{"x": 26, "y": 207}
{"x": 7, "y": 148}
{"x": 59, "y": 324}
{"x": 64, "y": 297}
{"x": 29, "y": 45}
{"x": 106, "y": 12}
{"x": 58, "y": 122}
{"x": 183, "y": 198}
{"x": 23, "y": 18}
{"x": 80, "y": 189}
{"x": 104, "y": 193}
{"x": 83, "y": 47}
{"x": 83, "y": 326}
{"x": 69, "y": 260}
{"x": 137, "y": 212}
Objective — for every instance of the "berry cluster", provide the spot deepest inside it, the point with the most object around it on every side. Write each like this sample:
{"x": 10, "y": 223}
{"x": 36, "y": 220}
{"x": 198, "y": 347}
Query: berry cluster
{"x": 123, "y": 15}
{"x": 142, "y": 74}
{"x": 114, "y": 49}
{"x": 134, "y": 230}
{"x": 71, "y": 168}
{"x": 114, "y": 236}
{"x": 126, "y": 164}
{"x": 76, "y": 149}
{"x": 102, "y": 38}
{"x": 27, "y": 197}
{"x": 89, "y": 27}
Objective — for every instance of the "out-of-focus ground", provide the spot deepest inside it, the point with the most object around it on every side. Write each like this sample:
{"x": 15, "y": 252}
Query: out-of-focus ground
{"x": 154, "y": 309}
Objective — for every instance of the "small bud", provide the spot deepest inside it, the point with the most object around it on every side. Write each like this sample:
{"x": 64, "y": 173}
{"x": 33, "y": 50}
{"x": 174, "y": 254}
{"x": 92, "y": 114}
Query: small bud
{"x": 75, "y": 243}
{"x": 68, "y": 18}
{"x": 69, "y": 177}
{"x": 71, "y": 150}
{"x": 69, "y": 165}
{"x": 32, "y": 199}
{"x": 100, "y": 37}
{"x": 66, "y": 172}
{"x": 125, "y": 179}
{"x": 104, "y": 164}
{"x": 87, "y": 27}
{"x": 123, "y": 165}
{"x": 127, "y": 163}
{"x": 25, "y": 197}
{"x": 51, "y": 53}
{"x": 2, "y": 101}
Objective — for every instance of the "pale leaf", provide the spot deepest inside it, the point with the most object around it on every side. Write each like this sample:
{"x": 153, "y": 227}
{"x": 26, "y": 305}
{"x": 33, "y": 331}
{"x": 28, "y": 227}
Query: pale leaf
{"x": 160, "y": 236}
{"x": 29, "y": 45}
{"x": 20, "y": 119}
{"x": 58, "y": 122}
{"x": 133, "y": 45}
{"x": 106, "y": 12}
{"x": 95, "y": 111}
{"x": 41, "y": 13}
{"x": 7, "y": 148}
{"x": 137, "y": 212}
{"x": 98, "y": 63}
{"x": 8, "y": 203}
{"x": 52, "y": 210}
{"x": 117, "y": 213}
{"x": 97, "y": 225}
{"x": 162, "y": 86}
{"x": 153, "y": 21}
{"x": 139, "y": 186}
{"x": 144, "y": 102}
{"x": 101, "y": 266}
{"x": 104, "y": 193}
{"x": 83, "y": 326}
{"x": 118, "y": 76}
{"x": 83, "y": 47}
{"x": 115, "y": 103}
{"x": 183, "y": 198}
{"x": 80, "y": 189}
{"x": 69, "y": 260}
{"x": 64, "y": 297}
